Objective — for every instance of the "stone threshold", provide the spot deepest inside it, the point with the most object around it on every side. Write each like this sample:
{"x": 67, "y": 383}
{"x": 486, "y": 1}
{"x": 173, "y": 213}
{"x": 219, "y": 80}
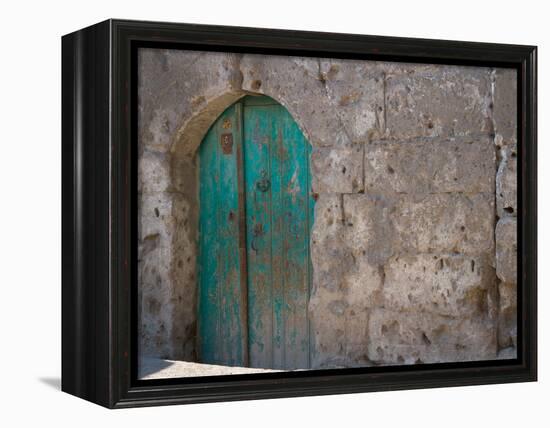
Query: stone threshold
{"x": 158, "y": 368}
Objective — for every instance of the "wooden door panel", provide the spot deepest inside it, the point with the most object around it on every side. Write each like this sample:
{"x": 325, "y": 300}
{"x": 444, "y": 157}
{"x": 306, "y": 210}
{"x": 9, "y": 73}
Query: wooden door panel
{"x": 293, "y": 156}
{"x": 257, "y": 136}
{"x": 266, "y": 325}
{"x": 278, "y": 253}
{"x": 219, "y": 304}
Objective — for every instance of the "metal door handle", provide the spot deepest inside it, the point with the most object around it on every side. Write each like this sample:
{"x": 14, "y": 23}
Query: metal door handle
{"x": 263, "y": 185}
{"x": 257, "y": 231}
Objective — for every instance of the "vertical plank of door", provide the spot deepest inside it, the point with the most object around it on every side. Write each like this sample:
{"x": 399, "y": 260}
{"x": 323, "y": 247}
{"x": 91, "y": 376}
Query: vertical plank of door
{"x": 292, "y": 152}
{"x": 208, "y": 317}
{"x": 243, "y": 277}
{"x": 278, "y": 242}
{"x": 209, "y": 252}
{"x": 256, "y": 132}
{"x": 278, "y": 222}
{"x": 311, "y": 198}
{"x": 220, "y": 276}
{"x": 228, "y": 227}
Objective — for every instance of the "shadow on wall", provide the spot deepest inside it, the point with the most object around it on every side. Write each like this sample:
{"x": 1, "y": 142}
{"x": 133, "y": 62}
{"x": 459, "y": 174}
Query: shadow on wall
{"x": 151, "y": 365}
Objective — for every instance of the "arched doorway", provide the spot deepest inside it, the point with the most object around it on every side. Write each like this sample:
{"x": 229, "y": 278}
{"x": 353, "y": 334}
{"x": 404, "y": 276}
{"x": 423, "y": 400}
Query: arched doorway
{"x": 256, "y": 212}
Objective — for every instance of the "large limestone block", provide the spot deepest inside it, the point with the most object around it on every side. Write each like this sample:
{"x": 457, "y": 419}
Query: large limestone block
{"x": 433, "y": 223}
{"x": 340, "y": 331}
{"x": 363, "y": 282}
{"x": 507, "y": 318}
{"x": 448, "y": 285}
{"x": 437, "y": 100}
{"x": 337, "y": 170}
{"x": 446, "y": 223}
{"x": 370, "y": 227}
{"x": 296, "y": 83}
{"x": 506, "y": 249}
{"x": 507, "y": 183}
{"x": 167, "y": 277}
{"x": 154, "y": 274}
{"x": 155, "y": 217}
{"x": 330, "y": 256}
{"x": 184, "y": 274}
{"x": 356, "y": 336}
{"x": 505, "y": 105}
{"x": 327, "y": 329}
{"x": 154, "y": 172}
{"x": 431, "y": 167}
{"x": 345, "y": 285}
{"x": 357, "y": 89}
{"x": 403, "y": 337}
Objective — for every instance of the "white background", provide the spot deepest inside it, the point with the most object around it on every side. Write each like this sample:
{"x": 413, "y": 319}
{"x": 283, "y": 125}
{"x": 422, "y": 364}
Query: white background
{"x": 30, "y": 212}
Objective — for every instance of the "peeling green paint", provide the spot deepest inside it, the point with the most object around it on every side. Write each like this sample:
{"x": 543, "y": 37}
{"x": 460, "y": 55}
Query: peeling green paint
{"x": 278, "y": 206}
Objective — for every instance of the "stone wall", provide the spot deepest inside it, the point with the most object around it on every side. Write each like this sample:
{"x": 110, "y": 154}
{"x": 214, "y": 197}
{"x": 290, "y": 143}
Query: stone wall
{"x": 505, "y": 124}
{"x": 413, "y": 243}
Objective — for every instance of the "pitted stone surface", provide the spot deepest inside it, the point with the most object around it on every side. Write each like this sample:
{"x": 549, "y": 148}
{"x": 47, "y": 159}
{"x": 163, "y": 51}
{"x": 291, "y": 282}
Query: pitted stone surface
{"x": 433, "y": 223}
{"x": 154, "y": 172}
{"x": 505, "y": 106}
{"x": 363, "y": 283}
{"x": 360, "y": 101}
{"x": 337, "y": 170}
{"x": 438, "y": 101}
{"x": 431, "y": 167}
{"x": 168, "y": 97}
{"x": 414, "y": 337}
{"x": 370, "y": 226}
{"x": 339, "y": 331}
{"x": 328, "y": 250}
{"x": 507, "y": 327}
{"x": 506, "y": 249}
{"x": 507, "y": 197}
{"x": 154, "y": 248}
{"x": 448, "y": 285}
{"x": 156, "y": 211}
{"x": 296, "y": 83}
{"x": 167, "y": 309}
{"x": 447, "y": 223}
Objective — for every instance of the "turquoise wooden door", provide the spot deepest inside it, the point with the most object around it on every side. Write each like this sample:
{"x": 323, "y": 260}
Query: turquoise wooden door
{"x": 256, "y": 212}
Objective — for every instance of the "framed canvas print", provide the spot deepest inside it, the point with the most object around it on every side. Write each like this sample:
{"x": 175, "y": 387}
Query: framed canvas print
{"x": 253, "y": 213}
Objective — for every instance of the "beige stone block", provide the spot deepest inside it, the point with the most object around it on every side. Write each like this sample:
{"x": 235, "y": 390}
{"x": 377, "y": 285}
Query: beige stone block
{"x": 505, "y": 105}
{"x": 337, "y": 170}
{"x": 446, "y": 223}
{"x": 440, "y": 100}
{"x": 507, "y": 318}
{"x": 295, "y": 82}
{"x": 356, "y": 88}
{"x": 430, "y": 167}
{"x": 506, "y": 249}
{"x": 507, "y": 183}
{"x": 448, "y": 285}
{"x": 403, "y": 337}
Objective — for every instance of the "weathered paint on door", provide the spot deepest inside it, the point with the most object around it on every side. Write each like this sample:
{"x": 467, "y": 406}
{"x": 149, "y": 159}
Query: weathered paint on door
{"x": 256, "y": 212}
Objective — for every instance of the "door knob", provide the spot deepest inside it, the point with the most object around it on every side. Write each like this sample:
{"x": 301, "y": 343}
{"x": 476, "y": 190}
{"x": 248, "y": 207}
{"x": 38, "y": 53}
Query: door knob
{"x": 263, "y": 185}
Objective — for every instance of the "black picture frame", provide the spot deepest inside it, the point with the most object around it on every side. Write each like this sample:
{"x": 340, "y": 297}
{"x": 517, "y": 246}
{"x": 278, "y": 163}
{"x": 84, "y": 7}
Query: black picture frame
{"x": 99, "y": 351}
